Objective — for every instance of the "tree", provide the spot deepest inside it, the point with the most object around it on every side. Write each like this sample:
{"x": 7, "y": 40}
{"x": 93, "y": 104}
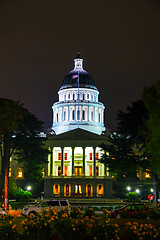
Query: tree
{"x": 151, "y": 98}
{"x": 133, "y": 123}
{"x": 17, "y": 127}
{"x": 119, "y": 157}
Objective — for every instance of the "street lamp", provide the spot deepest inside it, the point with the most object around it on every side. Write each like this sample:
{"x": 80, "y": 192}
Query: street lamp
{"x": 137, "y": 190}
{"x": 29, "y": 188}
{"x": 128, "y": 188}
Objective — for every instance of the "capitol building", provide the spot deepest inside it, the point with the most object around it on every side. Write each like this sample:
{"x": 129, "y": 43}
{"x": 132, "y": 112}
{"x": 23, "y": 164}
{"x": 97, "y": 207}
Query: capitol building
{"x": 73, "y": 168}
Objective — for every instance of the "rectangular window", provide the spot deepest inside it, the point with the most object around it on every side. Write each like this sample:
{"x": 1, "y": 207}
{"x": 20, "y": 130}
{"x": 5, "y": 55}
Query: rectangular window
{"x": 65, "y": 156}
{"x": 65, "y": 171}
{"x": 43, "y": 173}
{"x": 90, "y": 156}
{"x": 59, "y": 156}
{"x": 59, "y": 170}
{"x": 97, "y": 156}
{"x": 90, "y": 170}
{"x": 10, "y": 173}
{"x": 20, "y": 173}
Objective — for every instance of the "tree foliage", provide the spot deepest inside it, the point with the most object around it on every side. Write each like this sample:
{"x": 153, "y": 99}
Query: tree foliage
{"x": 19, "y": 132}
{"x": 119, "y": 157}
{"x": 133, "y": 123}
{"x": 151, "y": 98}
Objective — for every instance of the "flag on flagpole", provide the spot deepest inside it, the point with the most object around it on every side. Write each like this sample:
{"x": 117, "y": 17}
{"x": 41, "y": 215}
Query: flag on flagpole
{"x": 75, "y": 76}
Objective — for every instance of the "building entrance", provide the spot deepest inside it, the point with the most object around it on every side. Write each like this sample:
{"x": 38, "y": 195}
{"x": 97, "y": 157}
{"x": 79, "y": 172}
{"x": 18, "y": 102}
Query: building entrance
{"x": 78, "y": 171}
{"x": 78, "y": 190}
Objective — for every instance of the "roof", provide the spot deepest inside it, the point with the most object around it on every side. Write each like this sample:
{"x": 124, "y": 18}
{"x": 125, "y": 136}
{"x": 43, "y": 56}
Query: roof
{"x": 76, "y": 137}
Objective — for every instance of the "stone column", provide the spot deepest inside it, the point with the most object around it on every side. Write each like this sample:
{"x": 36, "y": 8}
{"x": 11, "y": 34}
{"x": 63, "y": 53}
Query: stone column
{"x": 94, "y": 161}
{"x": 105, "y": 168}
{"x": 73, "y": 172}
{"x": 62, "y": 160}
{"x": 88, "y": 115}
{"x": 68, "y": 113}
{"x": 84, "y": 171}
{"x": 51, "y": 163}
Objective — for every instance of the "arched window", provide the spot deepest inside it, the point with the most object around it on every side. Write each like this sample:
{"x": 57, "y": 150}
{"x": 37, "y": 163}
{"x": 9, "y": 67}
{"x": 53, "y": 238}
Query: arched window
{"x": 78, "y": 115}
{"x": 89, "y": 190}
{"x": 83, "y": 113}
{"x": 73, "y": 117}
{"x": 100, "y": 190}
{"x": 56, "y": 190}
{"x": 67, "y": 190}
{"x": 64, "y": 97}
{"x": 83, "y": 96}
{"x": 87, "y": 96}
{"x": 68, "y": 96}
{"x": 91, "y": 97}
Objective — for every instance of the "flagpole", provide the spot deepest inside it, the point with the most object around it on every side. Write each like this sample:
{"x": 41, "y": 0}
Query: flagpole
{"x": 78, "y": 100}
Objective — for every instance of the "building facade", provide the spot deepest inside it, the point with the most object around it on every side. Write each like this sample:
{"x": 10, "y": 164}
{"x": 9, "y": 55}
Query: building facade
{"x": 73, "y": 168}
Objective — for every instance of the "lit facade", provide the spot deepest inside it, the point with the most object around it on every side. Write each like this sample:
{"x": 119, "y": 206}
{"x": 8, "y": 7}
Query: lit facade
{"x": 73, "y": 169}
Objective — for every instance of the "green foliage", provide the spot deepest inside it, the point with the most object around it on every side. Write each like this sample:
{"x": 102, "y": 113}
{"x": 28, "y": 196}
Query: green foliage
{"x": 119, "y": 157}
{"x": 17, "y": 193}
{"x": 133, "y": 196}
{"x": 22, "y": 196}
{"x": 151, "y": 98}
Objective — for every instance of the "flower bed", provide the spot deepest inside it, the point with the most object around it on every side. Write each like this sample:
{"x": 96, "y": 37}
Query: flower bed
{"x": 66, "y": 225}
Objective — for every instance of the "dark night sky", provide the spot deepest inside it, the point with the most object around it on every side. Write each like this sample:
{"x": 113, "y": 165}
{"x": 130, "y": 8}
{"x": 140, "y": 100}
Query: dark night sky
{"x": 119, "y": 41}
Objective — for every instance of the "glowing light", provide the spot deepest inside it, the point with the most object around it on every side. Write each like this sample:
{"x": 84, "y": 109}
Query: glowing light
{"x": 128, "y": 188}
{"x": 29, "y": 188}
{"x": 137, "y": 190}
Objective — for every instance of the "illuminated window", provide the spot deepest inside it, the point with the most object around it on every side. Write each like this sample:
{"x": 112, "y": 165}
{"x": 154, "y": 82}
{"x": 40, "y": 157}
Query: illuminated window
{"x": 97, "y": 156}
{"x": 90, "y": 170}
{"x": 59, "y": 156}
{"x": 43, "y": 173}
{"x": 89, "y": 190}
{"x": 90, "y": 156}
{"x": 97, "y": 170}
{"x": 11, "y": 159}
{"x": 147, "y": 173}
{"x": 65, "y": 171}
{"x": 67, "y": 190}
{"x": 100, "y": 190}
{"x": 59, "y": 170}
{"x": 10, "y": 173}
{"x": 20, "y": 173}
{"x": 78, "y": 171}
{"x": 56, "y": 190}
{"x": 78, "y": 190}
{"x": 65, "y": 156}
